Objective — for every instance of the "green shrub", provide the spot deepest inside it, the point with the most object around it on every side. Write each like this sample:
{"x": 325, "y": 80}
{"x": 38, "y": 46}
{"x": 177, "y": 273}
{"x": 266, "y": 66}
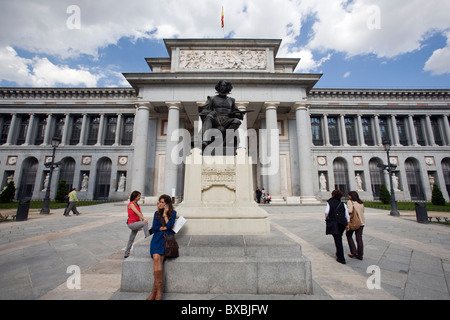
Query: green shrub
{"x": 385, "y": 196}
{"x": 436, "y": 197}
{"x": 8, "y": 193}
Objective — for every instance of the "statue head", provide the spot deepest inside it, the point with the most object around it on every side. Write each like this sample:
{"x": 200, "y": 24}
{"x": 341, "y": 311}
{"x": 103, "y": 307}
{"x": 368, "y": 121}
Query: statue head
{"x": 224, "y": 87}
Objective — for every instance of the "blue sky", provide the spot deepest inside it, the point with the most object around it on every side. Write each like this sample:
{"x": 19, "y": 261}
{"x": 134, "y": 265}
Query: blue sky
{"x": 403, "y": 44}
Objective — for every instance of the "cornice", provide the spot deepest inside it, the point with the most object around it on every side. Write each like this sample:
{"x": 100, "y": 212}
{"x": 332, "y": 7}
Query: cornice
{"x": 336, "y": 95}
{"x": 7, "y": 93}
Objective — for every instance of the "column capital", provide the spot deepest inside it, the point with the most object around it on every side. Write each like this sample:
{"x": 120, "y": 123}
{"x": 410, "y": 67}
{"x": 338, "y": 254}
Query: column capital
{"x": 242, "y": 105}
{"x": 174, "y": 105}
{"x": 270, "y": 105}
{"x": 301, "y": 106}
{"x": 143, "y": 105}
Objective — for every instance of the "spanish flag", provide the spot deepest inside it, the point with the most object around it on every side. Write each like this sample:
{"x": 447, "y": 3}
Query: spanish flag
{"x": 223, "y": 23}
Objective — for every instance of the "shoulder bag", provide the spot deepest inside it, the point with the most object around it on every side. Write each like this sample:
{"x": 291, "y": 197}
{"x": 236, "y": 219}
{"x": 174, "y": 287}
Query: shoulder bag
{"x": 170, "y": 246}
{"x": 355, "y": 221}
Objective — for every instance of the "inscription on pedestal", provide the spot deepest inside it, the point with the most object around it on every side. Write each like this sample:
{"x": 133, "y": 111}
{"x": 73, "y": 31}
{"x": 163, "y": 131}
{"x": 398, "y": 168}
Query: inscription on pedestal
{"x": 219, "y": 177}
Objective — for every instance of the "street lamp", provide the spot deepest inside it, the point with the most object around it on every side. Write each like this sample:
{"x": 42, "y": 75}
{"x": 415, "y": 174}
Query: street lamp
{"x": 52, "y": 165}
{"x": 387, "y": 148}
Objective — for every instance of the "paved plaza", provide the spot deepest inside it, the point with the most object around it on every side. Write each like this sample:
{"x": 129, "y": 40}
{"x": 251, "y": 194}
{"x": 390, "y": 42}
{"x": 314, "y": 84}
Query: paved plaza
{"x": 37, "y": 257}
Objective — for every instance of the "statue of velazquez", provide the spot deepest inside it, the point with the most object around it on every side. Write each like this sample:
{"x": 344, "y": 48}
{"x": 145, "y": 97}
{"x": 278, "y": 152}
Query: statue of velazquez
{"x": 220, "y": 112}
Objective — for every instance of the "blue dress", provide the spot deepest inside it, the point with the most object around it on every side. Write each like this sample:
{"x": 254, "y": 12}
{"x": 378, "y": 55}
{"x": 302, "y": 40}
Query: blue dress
{"x": 157, "y": 244}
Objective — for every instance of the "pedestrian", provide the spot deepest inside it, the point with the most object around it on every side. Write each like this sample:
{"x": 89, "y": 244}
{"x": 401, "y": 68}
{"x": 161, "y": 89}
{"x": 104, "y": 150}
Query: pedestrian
{"x": 163, "y": 222}
{"x": 258, "y": 195}
{"x": 73, "y": 199}
{"x": 355, "y": 207}
{"x": 268, "y": 198}
{"x": 263, "y": 195}
{"x": 337, "y": 218}
{"x": 136, "y": 220}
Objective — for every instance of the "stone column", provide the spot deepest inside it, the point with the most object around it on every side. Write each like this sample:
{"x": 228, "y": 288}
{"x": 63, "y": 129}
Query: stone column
{"x": 272, "y": 168}
{"x": 118, "y": 130}
{"x": 65, "y": 130}
{"x": 48, "y": 126}
{"x": 12, "y": 129}
{"x": 325, "y": 130}
{"x": 30, "y": 129}
{"x": 100, "y": 130}
{"x": 444, "y": 120}
{"x": 395, "y": 130}
{"x": 431, "y": 140}
{"x": 362, "y": 141}
{"x": 171, "y": 166}
{"x": 141, "y": 146}
{"x": 303, "y": 122}
{"x": 412, "y": 131}
{"x": 343, "y": 131}
{"x": 378, "y": 139}
{"x": 83, "y": 130}
{"x": 242, "y": 106}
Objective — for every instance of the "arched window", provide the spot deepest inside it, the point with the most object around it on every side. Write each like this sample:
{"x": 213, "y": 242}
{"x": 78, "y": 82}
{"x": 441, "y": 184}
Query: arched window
{"x": 29, "y": 170}
{"x": 103, "y": 179}
{"x": 376, "y": 177}
{"x": 414, "y": 180}
{"x": 67, "y": 171}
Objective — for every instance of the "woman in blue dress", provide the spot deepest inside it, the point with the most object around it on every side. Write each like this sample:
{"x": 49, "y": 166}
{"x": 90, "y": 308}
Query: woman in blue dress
{"x": 163, "y": 222}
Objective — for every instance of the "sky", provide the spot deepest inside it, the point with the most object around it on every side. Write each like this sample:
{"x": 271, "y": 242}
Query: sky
{"x": 379, "y": 44}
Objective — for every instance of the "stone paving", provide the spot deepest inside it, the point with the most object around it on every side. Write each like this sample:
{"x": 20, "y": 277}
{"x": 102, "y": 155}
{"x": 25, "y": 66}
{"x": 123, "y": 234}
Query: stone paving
{"x": 413, "y": 259}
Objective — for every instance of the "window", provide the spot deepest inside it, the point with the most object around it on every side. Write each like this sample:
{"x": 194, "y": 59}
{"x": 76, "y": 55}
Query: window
{"x": 376, "y": 177}
{"x": 316, "y": 128}
{"x": 23, "y": 128}
{"x": 384, "y": 130}
{"x": 402, "y": 131}
{"x": 436, "y": 131}
{"x": 76, "y": 131}
{"x": 60, "y": 122}
{"x": 333, "y": 129}
{"x": 111, "y": 127}
{"x": 350, "y": 131}
{"x": 40, "y": 133}
{"x": 93, "y": 131}
{"x": 367, "y": 131}
{"x": 341, "y": 176}
{"x": 127, "y": 136}
{"x": 5, "y": 130}
{"x": 419, "y": 131}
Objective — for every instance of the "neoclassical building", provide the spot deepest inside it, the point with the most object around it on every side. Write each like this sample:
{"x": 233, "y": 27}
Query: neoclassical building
{"x": 116, "y": 140}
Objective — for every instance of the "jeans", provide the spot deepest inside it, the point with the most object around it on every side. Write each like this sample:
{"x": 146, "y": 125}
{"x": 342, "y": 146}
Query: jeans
{"x": 338, "y": 243}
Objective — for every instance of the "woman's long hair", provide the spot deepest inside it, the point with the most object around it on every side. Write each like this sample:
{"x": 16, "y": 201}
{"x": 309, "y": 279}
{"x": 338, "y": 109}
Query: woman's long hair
{"x": 355, "y": 196}
{"x": 168, "y": 201}
{"x": 134, "y": 195}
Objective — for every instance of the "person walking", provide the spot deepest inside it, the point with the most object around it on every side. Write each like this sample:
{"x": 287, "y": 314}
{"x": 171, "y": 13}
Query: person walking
{"x": 163, "y": 222}
{"x": 136, "y": 221}
{"x": 337, "y": 218}
{"x": 73, "y": 199}
{"x": 355, "y": 207}
{"x": 258, "y": 195}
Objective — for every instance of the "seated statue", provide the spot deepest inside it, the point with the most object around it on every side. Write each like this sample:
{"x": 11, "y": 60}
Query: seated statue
{"x": 220, "y": 112}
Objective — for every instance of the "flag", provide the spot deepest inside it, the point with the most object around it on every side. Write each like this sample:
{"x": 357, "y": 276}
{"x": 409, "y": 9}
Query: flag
{"x": 223, "y": 23}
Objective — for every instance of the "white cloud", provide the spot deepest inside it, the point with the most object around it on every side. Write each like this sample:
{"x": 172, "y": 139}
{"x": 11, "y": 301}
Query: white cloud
{"x": 350, "y": 27}
{"x": 439, "y": 62}
{"x": 41, "y": 72}
{"x": 347, "y": 74}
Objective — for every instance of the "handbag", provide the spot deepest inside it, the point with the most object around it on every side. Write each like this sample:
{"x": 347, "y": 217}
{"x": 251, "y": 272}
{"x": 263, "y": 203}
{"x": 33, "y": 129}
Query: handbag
{"x": 170, "y": 246}
{"x": 355, "y": 221}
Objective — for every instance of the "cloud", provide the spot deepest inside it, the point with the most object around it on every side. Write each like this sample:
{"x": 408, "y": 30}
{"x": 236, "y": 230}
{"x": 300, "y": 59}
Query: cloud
{"x": 384, "y": 28}
{"x": 347, "y": 74}
{"x": 439, "y": 62}
{"x": 40, "y": 72}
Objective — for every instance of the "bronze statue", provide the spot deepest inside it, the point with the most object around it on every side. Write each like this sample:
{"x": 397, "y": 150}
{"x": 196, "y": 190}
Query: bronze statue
{"x": 220, "y": 112}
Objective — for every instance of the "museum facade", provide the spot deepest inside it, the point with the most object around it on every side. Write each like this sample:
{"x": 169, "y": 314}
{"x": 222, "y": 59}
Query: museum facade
{"x": 116, "y": 140}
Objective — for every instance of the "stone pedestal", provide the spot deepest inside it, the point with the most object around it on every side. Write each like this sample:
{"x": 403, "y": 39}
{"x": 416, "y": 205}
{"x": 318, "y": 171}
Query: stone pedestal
{"x": 227, "y": 264}
{"x": 218, "y": 196}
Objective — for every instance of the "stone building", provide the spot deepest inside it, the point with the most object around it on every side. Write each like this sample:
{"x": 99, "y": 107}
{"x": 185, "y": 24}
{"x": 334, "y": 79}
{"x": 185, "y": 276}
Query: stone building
{"x": 116, "y": 140}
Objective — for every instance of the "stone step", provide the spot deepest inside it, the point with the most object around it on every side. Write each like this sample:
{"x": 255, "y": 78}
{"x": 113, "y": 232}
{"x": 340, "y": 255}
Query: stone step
{"x": 258, "y": 264}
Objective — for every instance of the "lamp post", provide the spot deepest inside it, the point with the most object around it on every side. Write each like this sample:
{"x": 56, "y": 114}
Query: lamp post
{"x": 387, "y": 148}
{"x": 46, "y": 205}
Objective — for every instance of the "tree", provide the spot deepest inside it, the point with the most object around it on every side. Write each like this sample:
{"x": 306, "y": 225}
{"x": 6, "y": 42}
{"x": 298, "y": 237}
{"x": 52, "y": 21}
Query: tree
{"x": 61, "y": 192}
{"x": 436, "y": 197}
{"x": 385, "y": 196}
{"x": 8, "y": 193}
